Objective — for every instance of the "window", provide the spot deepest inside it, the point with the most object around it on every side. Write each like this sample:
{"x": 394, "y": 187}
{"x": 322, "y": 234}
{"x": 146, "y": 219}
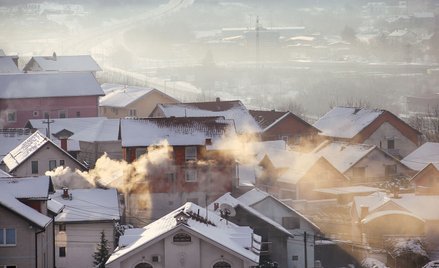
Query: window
{"x": 296, "y": 139}
{"x": 391, "y": 144}
{"x": 61, "y": 162}
{"x": 62, "y": 251}
{"x": 78, "y": 114}
{"x": 190, "y": 153}
{"x": 7, "y": 237}
{"x": 295, "y": 258}
{"x": 285, "y": 139}
{"x": 35, "y": 113}
{"x": 12, "y": 116}
{"x": 8, "y": 266}
{"x": 181, "y": 237}
{"x": 359, "y": 172}
{"x": 62, "y": 114}
{"x": 34, "y": 165}
{"x": 114, "y": 111}
{"x": 133, "y": 112}
{"x": 62, "y": 227}
{"x": 190, "y": 175}
{"x": 170, "y": 177}
{"x": 390, "y": 170}
{"x": 291, "y": 222}
{"x": 222, "y": 264}
{"x": 52, "y": 164}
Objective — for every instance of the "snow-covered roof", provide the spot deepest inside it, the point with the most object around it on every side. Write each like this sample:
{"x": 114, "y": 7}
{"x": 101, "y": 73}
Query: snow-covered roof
{"x": 346, "y": 122}
{"x": 268, "y": 119}
{"x": 177, "y": 131}
{"x": 76, "y": 63}
{"x": 9, "y": 201}
{"x": 11, "y": 138}
{"x": 379, "y": 214}
{"x": 235, "y": 110}
{"x": 54, "y": 206}
{"x": 432, "y": 264}
{"x": 227, "y": 198}
{"x": 122, "y": 96}
{"x": 359, "y": 189}
{"x": 419, "y": 205}
{"x": 40, "y": 85}
{"x": 88, "y": 205}
{"x": 256, "y": 195}
{"x": 239, "y": 240}
{"x": 24, "y": 150}
{"x": 343, "y": 155}
{"x": 37, "y": 188}
{"x": 422, "y": 156}
{"x": 7, "y": 65}
{"x": 4, "y": 174}
{"x": 29, "y": 147}
{"x": 28, "y": 188}
{"x": 88, "y": 129}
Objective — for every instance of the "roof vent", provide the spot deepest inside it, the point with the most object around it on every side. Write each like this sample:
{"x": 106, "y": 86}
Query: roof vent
{"x": 54, "y": 56}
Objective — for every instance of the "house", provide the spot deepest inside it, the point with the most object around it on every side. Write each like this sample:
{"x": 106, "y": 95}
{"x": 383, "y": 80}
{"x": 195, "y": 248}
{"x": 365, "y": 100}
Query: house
{"x": 26, "y": 224}
{"x": 234, "y": 110}
{"x": 85, "y": 138}
{"x": 128, "y": 101}
{"x": 36, "y": 155}
{"x": 380, "y": 216}
{"x": 87, "y": 213}
{"x": 303, "y": 230}
{"x": 193, "y": 169}
{"x": 295, "y": 175}
{"x": 370, "y": 126}
{"x": 28, "y": 96}
{"x": 285, "y": 126}
{"x": 189, "y": 236}
{"x": 363, "y": 164}
{"x": 275, "y": 237}
{"x": 55, "y": 63}
{"x": 426, "y": 181}
{"x": 422, "y": 156}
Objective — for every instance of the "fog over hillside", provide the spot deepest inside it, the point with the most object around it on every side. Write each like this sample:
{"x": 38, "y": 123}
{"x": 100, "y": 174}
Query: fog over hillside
{"x": 311, "y": 54}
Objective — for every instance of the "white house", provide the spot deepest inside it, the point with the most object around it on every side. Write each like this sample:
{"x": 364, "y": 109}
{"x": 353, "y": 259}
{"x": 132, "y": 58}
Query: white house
{"x": 36, "y": 155}
{"x": 55, "y": 63}
{"x": 121, "y": 101}
{"x": 189, "y": 236}
{"x": 86, "y": 213}
{"x": 300, "y": 227}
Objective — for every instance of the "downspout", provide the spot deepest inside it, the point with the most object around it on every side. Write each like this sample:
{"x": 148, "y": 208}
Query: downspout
{"x": 53, "y": 237}
{"x": 36, "y": 247}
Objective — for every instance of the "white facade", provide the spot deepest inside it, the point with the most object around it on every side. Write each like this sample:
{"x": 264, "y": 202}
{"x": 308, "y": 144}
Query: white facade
{"x": 200, "y": 252}
{"x": 80, "y": 241}
{"x": 402, "y": 145}
{"x": 295, "y": 246}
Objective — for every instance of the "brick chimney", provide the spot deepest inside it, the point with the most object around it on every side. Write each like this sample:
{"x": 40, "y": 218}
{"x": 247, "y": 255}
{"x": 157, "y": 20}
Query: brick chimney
{"x": 63, "y": 144}
{"x": 65, "y": 193}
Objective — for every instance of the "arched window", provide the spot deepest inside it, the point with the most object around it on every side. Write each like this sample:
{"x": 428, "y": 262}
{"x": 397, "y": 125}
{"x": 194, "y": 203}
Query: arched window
{"x": 143, "y": 265}
{"x": 222, "y": 264}
{"x": 182, "y": 237}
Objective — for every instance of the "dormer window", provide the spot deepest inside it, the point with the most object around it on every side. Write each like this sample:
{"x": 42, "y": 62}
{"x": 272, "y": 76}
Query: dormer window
{"x": 181, "y": 238}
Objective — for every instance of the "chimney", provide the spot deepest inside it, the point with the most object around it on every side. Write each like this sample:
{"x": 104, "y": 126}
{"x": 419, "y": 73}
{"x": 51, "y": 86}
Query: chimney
{"x": 208, "y": 141}
{"x": 65, "y": 193}
{"x": 64, "y": 144}
{"x": 364, "y": 212}
{"x": 218, "y": 99}
{"x": 215, "y": 206}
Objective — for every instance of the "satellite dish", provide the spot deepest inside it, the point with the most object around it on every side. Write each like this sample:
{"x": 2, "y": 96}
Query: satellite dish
{"x": 227, "y": 210}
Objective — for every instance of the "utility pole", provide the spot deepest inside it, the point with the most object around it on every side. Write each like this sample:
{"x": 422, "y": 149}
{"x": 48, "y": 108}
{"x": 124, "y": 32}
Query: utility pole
{"x": 48, "y": 122}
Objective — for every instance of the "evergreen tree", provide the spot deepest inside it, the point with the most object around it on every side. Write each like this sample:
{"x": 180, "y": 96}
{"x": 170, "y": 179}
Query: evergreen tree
{"x": 102, "y": 253}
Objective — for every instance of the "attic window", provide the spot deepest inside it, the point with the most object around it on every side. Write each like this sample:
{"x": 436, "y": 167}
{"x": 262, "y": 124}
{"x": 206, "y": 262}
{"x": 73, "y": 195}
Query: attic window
{"x": 181, "y": 238}
{"x": 222, "y": 264}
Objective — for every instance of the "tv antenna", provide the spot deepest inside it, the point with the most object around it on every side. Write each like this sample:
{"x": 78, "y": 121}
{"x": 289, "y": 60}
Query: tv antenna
{"x": 227, "y": 211}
